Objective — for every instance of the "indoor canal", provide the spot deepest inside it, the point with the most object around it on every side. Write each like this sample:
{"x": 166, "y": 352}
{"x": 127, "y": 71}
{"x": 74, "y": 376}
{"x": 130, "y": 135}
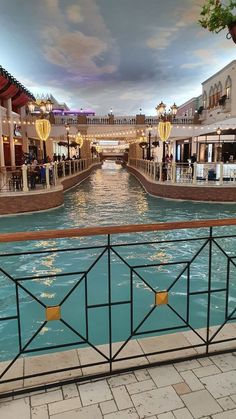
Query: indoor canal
{"x": 53, "y": 273}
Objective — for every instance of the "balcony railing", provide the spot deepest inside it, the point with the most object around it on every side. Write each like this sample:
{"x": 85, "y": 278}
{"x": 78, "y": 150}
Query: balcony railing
{"x": 183, "y": 270}
{"x": 29, "y": 177}
{"x": 196, "y": 173}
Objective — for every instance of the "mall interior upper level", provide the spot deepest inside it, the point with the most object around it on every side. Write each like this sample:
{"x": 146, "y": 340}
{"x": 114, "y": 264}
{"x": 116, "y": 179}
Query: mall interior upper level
{"x": 198, "y": 117}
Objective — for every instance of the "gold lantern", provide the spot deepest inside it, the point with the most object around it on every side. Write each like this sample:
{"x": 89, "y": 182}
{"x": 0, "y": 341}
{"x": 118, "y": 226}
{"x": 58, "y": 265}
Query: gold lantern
{"x": 43, "y": 128}
{"x": 79, "y": 140}
{"x": 164, "y": 130}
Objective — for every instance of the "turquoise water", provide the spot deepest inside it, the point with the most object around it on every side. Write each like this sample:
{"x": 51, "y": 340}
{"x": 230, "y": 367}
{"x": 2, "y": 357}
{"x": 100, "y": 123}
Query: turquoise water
{"x": 111, "y": 196}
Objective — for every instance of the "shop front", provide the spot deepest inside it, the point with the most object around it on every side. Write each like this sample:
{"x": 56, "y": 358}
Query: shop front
{"x": 183, "y": 150}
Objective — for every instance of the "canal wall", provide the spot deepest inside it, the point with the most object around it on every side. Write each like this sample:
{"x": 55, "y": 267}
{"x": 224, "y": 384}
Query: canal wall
{"x": 206, "y": 193}
{"x": 40, "y": 200}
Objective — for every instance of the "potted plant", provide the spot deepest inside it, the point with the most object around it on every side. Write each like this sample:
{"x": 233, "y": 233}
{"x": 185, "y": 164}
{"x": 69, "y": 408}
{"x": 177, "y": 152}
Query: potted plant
{"x": 216, "y": 16}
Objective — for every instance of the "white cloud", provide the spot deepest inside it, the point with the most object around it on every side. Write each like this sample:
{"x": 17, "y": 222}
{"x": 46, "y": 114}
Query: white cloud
{"x": 73, "y": 13}
{"x": 84, "y": 56}
{"x": 161, "y": 39}
{"x": 191, "y": 65}
{"x": 76, "y": 52}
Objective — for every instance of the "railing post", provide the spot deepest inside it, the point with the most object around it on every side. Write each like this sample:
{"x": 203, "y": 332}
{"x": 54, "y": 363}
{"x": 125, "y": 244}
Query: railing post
{"x": 173, "y": 172}
{"x": 69, "y": 167}
{"x": 63, "y": 169}
{"x": 154, "y": 171}
{"x": 195, "y": 173}
{"x": 25, "y": 178}
{"x": 55, "y": 173}
{"x": 47, "y": 176}
{"x": 161, "y": 174}
{"x": 221, "y": 172}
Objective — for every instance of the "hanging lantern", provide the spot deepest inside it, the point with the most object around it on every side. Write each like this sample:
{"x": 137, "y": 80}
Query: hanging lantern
{"x": 79, "y": 140}
{"x": 43, "y": 128}
{"x": 164, "y": 130}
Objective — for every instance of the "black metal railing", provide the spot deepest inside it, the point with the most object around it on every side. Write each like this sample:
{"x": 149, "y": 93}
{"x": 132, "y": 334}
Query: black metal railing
{"x": 119, "y": 286}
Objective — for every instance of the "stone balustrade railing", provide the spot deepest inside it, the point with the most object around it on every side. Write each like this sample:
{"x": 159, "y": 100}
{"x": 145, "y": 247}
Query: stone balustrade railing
{"x": 27, "y": 178}
{"x": 187, "y": 173}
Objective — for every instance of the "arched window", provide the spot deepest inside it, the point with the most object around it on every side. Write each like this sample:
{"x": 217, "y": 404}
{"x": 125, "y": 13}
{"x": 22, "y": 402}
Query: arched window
{"x": 228, "y": 85}
{"x": 215, "y": 95}
{"x": 211, "y": 98}
{"x": 204, "y": 100}
{"x": 219, "y": 91}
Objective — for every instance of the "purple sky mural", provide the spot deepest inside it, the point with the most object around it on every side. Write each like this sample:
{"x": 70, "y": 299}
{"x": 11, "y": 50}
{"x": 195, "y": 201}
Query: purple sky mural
{"x": 119, "y": 54}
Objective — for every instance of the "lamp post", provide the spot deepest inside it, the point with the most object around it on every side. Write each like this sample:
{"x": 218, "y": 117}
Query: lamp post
{"x": 218, "y": 131}
{"x": 67, "y": 126}
{"x": 143, "y": 144}
{"x": 42, "y": 125}
{"x": 165, "y": 120}
{"x": 149, "y": 154}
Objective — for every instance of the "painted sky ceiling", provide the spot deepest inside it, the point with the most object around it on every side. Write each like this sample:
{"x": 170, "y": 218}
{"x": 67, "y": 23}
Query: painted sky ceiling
{"x": 102, "y": 54}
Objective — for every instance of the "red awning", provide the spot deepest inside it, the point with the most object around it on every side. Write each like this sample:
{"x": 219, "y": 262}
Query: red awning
{"x": 10, "y": 92}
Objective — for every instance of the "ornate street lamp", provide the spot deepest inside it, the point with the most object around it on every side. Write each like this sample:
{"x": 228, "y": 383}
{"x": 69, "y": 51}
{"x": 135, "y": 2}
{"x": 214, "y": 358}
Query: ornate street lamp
{"x": 165, "y": 122}
{"x": 42, "y": 125}
{"x": 149, "y": 130}
{"x": 143, "y": 144}
{"x": 67, "y": 127}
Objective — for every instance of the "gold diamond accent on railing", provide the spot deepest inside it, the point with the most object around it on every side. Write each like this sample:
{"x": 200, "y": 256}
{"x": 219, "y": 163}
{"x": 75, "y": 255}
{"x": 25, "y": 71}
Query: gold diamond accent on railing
{"x": 161, "y": 298}
{"x": 53, "y": 313}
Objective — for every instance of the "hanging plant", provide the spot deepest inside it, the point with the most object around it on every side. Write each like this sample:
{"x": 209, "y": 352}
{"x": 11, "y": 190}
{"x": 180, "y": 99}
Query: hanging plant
{"x": 216, "y": 16}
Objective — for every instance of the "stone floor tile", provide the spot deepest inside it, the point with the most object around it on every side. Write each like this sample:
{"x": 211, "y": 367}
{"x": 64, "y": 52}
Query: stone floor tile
{"x": 122, "y": 397}
{"x": 122, "y": 379}
{"x": 89, "y": 356}
{"x": 108, "y": 407}
{"x": 168, "y": 415}
{"x": 165, "y": 375}
{"x": 206, "y": 371}
{"x": 194, "y": 339}
{"x": 233, "y": 397}
{"x": 182, "y": 414}
{"x": 192, "y": 381}
{"x": 64, "y": 405}
{"x": 15, "y": 409}
{"x": 30, "y": 393}
{"x": 95, "y": 392}
{"x": 39, "y": 412}
{"x": 166, "y": 342}
{"x": 16, "y": 370}
{"x": 7, "y": 399}
{"x": 201, "y": 403}
{"x": 226, "y": 403}
{"x": 182, "y": 388}
{"x": 221, "y": 385}
{"x": 187, "y": 365}
{"x": 205, "y": 362}
{"x": 231, "y": 414}
{"x": 226, "y": 362}
{"x": 142, "y": 375}
{"x": 69, "y": 391}
{"x": 140, "y": 386}
{"x": 156, "y": 401}
{"x": 53, "y": 396}
{"x": 88, "y": 412}
{"x": 44, "y": 363}
{"x": 124, "y": 414}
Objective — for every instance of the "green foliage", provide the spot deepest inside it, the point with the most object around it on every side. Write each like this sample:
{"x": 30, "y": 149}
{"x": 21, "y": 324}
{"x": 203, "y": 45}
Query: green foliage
{"x": 217, "y": 16}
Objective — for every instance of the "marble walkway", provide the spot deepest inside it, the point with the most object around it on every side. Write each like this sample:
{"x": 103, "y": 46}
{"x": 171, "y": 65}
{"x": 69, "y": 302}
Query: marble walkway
{"x": 203, "y": 388}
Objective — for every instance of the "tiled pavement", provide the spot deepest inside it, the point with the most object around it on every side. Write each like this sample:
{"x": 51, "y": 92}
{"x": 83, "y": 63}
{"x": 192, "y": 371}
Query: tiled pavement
{"x": 190, "y": 389}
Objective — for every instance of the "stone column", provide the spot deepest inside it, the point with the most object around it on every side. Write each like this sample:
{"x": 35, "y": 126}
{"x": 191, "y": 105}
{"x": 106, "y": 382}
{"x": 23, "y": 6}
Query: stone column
{"x": 2, "y": 159}
{"x": 8, "y": 105}
{"x": 25, "y": 143}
